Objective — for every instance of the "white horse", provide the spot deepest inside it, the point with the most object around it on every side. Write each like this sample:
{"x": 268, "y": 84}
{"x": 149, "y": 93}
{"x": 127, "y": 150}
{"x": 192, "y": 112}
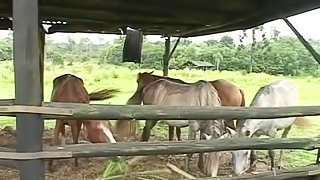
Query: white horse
{"x": 277, "y": 94}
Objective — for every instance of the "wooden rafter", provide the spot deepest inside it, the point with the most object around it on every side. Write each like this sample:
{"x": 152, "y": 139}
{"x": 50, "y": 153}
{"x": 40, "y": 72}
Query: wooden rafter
{"x": 173, "y": 18}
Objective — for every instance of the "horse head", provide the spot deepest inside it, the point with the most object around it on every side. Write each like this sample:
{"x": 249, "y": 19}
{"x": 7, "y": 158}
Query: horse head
{"x": 98, "y": 131}
{"x": 209, "y": 162}
{"x": 240, "y": 158}
{"x": 145, "y": 78}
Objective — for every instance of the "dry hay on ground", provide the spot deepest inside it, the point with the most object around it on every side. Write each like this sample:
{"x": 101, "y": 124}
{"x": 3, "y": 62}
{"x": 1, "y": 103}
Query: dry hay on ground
{"x": 92, "y": 168}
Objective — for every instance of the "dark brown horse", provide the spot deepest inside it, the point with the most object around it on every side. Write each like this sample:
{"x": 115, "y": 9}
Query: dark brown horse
{"x": 229, "y": 94}
{"x": 70, "y": 88}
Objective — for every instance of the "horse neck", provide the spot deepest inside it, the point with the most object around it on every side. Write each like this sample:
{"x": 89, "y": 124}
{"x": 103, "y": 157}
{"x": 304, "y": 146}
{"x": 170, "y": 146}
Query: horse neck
{"x": 136, "y": 98}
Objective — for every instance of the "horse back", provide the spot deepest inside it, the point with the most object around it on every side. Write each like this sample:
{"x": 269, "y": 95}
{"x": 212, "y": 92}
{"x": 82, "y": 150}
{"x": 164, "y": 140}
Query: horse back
{"x": 229, "y": 93}
{"x": 164, "y": 92}
{"x": 277, "y": 94}
{"x": 70, "y": 90}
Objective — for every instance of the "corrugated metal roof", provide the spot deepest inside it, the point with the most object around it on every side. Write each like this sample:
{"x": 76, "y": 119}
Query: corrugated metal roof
{"x": 163, "y": 17}
{"x": 201, "y": 63}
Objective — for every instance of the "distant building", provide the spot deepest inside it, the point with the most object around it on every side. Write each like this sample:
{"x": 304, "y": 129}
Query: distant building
{"x": 199, "y": 65}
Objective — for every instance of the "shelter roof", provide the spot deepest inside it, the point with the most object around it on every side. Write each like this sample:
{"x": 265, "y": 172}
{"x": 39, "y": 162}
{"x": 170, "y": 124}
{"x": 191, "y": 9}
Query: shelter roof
{"x": 183, "y": 18}
{"x": 200, "y": 63}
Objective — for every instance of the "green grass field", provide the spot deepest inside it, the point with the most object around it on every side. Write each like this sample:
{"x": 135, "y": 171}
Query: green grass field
{"x": 96, "y": 77}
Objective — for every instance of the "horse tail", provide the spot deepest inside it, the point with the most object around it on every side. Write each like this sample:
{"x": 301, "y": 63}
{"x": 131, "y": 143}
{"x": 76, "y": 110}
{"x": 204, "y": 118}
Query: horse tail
{"x": 103, "y": 94}
{"x": 302, "y": 122}
{"x": 127, "y": 128}
{"x": 243, "y": 101}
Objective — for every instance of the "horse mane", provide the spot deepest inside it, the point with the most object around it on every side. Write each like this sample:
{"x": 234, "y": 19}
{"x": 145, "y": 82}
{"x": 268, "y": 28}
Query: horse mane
{"x": 170, "y": 79}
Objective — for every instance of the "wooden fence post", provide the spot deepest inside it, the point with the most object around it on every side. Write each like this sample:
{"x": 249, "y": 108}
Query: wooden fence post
{"x": 28, "y": 85}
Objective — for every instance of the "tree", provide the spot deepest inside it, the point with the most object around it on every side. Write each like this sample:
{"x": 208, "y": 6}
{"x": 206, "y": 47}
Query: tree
{"x": 227, "y": 41}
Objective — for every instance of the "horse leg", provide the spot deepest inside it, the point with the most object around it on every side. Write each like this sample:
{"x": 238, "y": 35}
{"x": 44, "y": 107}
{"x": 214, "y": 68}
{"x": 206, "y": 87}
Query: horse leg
{"x": 194, "y": 126}
{"x": 253, "y": 157}
{"x": 178, "y": 133}
{"x": 272, "y": 134}
{"x": 318, "y": 157}
{"x": 171, "y": 132}
{"x": 284, "y": 135}
{"x": 57, "y": 130}
{"x": 147, "y": 129}
{"x": 75, "y": 131}
{"x": 200, "y": 161}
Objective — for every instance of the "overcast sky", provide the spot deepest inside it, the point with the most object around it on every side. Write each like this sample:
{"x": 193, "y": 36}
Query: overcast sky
{"x": 307, "y": 24}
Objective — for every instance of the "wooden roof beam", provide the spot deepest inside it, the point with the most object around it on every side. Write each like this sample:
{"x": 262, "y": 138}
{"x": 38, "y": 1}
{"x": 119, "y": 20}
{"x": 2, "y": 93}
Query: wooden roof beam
{"x": 314, "y": 54}
{"x": 246, "y": 22}
{"x": 111, "y": 28}
{"x": 173, "y": 16}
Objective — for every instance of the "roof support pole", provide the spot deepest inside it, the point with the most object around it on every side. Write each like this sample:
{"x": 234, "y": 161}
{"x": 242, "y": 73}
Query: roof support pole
{"x": 168, "y": 54}
{"x": 28, "y": 85}
{"x": 42, "y": 42}
{"x": 315, "y": 55}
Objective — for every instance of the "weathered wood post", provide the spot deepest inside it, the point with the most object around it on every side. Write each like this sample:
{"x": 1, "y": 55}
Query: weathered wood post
{"x": 42, "y": 41}
{"x": 166, "y": 57}
{"x": 168, "y": 54}
{"x": 28, "y": 85}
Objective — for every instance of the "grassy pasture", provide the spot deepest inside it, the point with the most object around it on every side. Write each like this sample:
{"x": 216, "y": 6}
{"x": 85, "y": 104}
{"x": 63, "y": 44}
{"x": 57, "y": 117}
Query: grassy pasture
{"x": 97, "y": 76}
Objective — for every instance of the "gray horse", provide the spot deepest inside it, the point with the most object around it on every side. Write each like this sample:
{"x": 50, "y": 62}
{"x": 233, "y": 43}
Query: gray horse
{"x": 201, "y": 93}
{"x": 277, "y": 94}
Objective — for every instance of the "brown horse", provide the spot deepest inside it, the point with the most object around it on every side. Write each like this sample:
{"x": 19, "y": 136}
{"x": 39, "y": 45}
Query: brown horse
{"x": 230, "y": 95}
{"x": 70, "y": 88}
{"x": 200, "y": 93}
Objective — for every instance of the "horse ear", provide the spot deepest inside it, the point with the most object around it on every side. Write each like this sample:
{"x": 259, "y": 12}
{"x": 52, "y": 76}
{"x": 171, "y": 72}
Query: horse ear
{"x": 231, "y": 131}
{"x": 138, "y": 75}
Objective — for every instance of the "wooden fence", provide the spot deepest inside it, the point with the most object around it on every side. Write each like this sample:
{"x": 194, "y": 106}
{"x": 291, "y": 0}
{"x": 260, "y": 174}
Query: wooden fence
{"x": 126, "y": 112}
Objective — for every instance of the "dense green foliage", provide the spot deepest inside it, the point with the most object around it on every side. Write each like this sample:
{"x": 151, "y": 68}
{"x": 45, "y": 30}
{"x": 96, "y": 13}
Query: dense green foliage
{"x": 276, "y": 55}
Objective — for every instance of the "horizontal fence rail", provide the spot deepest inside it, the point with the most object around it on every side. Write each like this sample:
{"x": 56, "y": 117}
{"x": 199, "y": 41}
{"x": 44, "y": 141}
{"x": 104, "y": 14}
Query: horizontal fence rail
{"x": 299, "y": 172}
{"x": 164, "y": 148}
{"x": 52, "y": 110}
{"x": 126, "y": 112}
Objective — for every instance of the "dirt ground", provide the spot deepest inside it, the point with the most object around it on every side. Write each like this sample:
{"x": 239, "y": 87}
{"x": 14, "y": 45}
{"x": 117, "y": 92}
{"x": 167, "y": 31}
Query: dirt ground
{"x": 93, "y": 168}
